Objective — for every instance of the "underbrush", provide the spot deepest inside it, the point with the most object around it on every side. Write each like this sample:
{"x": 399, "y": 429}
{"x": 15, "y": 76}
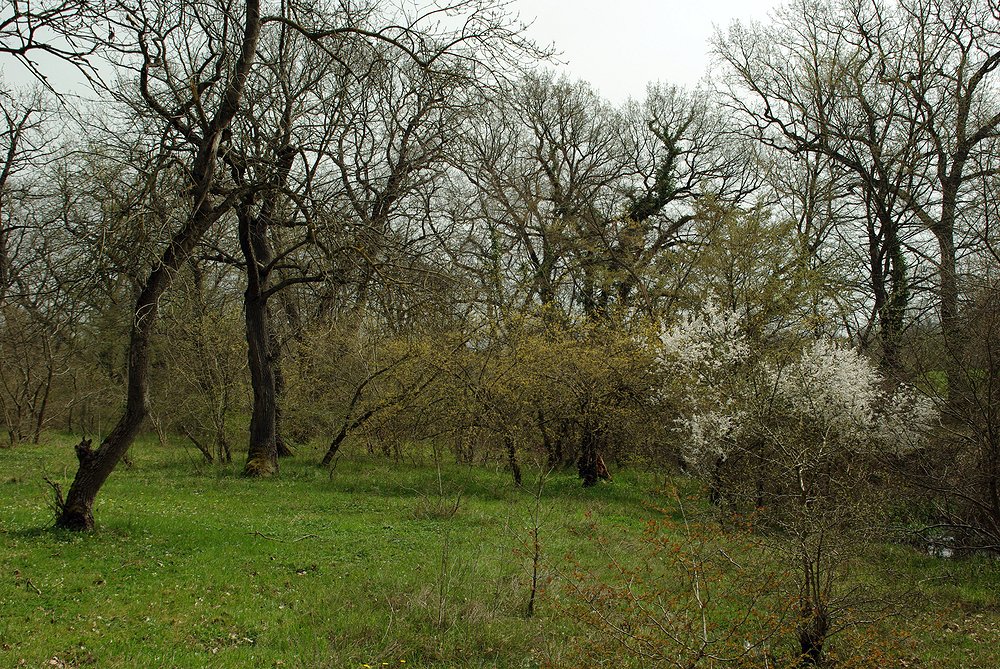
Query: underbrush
{"x": 414, "y": 564}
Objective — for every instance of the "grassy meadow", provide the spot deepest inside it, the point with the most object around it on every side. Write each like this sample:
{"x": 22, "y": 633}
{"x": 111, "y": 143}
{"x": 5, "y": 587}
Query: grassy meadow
{"x": 409, "y": 564}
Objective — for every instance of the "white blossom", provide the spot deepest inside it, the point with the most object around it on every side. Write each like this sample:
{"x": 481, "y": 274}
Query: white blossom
{"x": 832, "y": 386}
{"x": 827, "y": 399}
{"x": 701, "y": 355}
{"x": 708, "y": 340}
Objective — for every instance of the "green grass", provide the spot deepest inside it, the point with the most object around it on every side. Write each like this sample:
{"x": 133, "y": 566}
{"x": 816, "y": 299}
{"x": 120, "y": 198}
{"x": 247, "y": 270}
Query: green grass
{"x": 193, "y": 566}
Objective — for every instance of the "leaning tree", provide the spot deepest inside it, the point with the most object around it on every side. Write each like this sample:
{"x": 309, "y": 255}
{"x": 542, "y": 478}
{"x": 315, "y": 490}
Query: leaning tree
{"x": 189, "y": 65}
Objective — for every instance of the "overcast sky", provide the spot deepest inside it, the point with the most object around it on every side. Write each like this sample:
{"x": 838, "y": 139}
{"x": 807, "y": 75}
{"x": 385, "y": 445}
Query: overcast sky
{"x": 617, "y": 45}
{"x": 621, "y": 45}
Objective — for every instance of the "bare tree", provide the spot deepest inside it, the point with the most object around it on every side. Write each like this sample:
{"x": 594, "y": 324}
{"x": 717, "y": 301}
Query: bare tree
{"x": 544, "y": 157}
{"x": 65, "y": 30}
{"x": 24, "y": 147}
{"x": 36, "y": 316}
{"x": 685, "y": 153}
{"x": 191, "y": 64}
{"x": 900, "y": 95}
{"x": 197, "y": 99}
{"x": 805, "y": 85}
{"x": 334, "y": 154}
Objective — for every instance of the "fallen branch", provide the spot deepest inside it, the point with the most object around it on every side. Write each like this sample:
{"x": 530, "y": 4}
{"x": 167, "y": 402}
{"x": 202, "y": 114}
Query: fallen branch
{"x": 201, "y": 447}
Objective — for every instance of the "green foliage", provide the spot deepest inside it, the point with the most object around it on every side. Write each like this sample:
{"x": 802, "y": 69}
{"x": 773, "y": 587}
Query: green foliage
{"x": 760, "y": 266}
{"x": 544, "y": 387}
{"x": 197, "y": 567}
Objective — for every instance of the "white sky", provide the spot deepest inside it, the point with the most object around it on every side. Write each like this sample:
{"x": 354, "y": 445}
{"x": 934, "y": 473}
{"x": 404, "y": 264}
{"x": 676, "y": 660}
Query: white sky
{"x": 617, "y": 45}
{"x": 621, "y": 45}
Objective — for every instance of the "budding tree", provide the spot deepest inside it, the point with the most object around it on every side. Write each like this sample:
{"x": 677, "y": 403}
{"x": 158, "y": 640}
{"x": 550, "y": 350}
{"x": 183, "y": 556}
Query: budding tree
{"x": 794, "y": 438}
{"x": 900, "y": 95}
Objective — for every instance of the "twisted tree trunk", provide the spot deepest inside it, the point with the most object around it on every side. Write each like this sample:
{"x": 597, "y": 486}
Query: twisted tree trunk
{"x": 76, "y": 512}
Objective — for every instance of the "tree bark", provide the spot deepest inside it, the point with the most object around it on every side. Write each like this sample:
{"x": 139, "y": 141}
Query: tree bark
{"x": 813, "y": 630}
{"x": 587, "y": 462}
{"x": 76, "y": 512}
{"x": 951, "y": 327}
{"x": 515, "y": 466}
{"x": 262, "y": 454}
{"x": 895, "y": 308}
{"x": 4, "y": 258}
{"x": 551, "y": 455}
{"x": 334, "y": 448}
{"x": 281, "y": 446}
{"x": 266, "y": 379}
{"x": 889, "y": 289}
{"x": 46, "y": 391}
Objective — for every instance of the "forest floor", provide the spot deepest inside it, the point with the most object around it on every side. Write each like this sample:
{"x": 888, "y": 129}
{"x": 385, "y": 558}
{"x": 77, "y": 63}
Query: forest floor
{"x": 412, "y": 564}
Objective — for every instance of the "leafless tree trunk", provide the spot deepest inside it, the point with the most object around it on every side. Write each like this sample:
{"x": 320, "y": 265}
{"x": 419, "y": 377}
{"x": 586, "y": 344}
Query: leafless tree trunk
{"x": 95, "y": 465}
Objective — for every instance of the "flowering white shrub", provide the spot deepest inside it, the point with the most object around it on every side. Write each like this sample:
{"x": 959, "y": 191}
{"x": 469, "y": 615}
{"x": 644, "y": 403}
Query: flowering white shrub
{"x": 836, "y": 397}
{"x": 796, "y": 439}
{"x": 708, "y": 433}
{"x": 829, "y": 385}
{"x": 826, "y": 400}
{"x": 702, "y": 355}
{"x": 705, "y": 342}
{"x": 906, "y": 417}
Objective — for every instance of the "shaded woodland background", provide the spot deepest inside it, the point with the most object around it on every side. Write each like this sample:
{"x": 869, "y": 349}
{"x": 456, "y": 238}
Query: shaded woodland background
{"x": 277, "y": 224}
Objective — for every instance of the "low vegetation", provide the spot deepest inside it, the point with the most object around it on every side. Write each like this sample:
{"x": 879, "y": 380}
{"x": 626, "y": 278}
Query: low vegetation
{"x": 424, "y": 563}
